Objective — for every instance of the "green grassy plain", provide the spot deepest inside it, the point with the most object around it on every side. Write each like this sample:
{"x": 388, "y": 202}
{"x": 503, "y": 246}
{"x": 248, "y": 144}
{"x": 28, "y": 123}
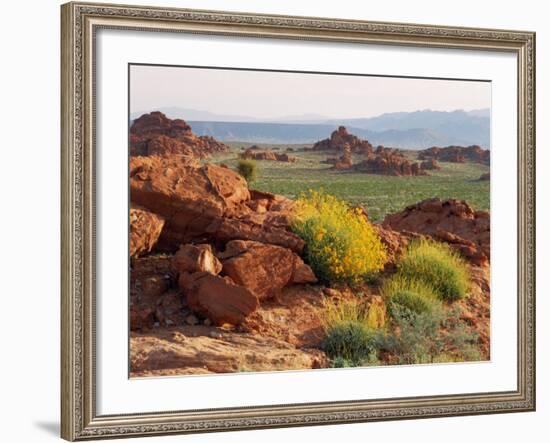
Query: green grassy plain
{"x": 380, "y": 195}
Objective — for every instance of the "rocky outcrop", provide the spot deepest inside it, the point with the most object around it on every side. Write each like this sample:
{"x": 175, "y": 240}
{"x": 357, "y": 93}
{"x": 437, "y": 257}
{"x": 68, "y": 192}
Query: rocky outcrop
{"x": 255, "y": 153}
{"x": 451, "y": 221}
{"x": 145, "y": 229}
{"x": 430, "y": 165}
{"x": 270, "y": 227}
{"x": 208, "y": 204}
{"x": 156, "y": 134}
{"x": 282, "y": 334}
{"x": 204, "y": 350}
{"x": 217, "y": 298}
{"x": 339, "y": 138}
{"x": 389, "y": 162}
{"x": 475, "y": 310}
{"x": 456, "y": 154}
{"x": 395, "y": 242}
{"x": 262, "y": 268}
{"x": 191, "y": 199}
{"x": 345, "y": 160}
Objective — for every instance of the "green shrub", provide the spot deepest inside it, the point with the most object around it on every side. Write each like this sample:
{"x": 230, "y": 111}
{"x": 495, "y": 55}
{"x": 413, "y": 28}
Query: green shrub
{"x": 437, "y": 266}
{"x": 409, "y": 293}
{"x": 412, "y": 301}
{"x": 248, "y": 169}
{"x": 351, "y": 342}
{"x": 418, "y": 338}
{"x": 341, "y": 244}
{"x": 340, "y": 362}
{"x": 351, "y": 335}
{"x": 434, "y": 336}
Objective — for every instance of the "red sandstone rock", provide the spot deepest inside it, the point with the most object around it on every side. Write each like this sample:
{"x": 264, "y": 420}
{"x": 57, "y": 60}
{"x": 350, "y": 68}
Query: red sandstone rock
{"x": 196, "y": 258}
{"x": 193, "y": 200}
{"x": 145, "y": 229}
{"x": 393, "y": 241}
{"x": 255, "y": 153}
{"x": 155, "y": 134}
{"x": 162, "y": 145}
{"x": 456, "y": 154}
{"x": 218, "y": 298}
{"x": 208, "y": 204}
{"x": 339, "y": 138}
{"x": 345, "y": 160}
{"x": 452, "y": 221}
{"x": 389, "y": 162}
{"x": 265, "y": 228}
{"x": 264, "y": 269}
{"x": 430, "y": 165}
{"x": 302, "y": 272}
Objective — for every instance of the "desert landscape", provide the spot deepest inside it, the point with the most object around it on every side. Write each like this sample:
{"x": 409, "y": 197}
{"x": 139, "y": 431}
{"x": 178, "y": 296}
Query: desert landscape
{"x": 258, "y": 256}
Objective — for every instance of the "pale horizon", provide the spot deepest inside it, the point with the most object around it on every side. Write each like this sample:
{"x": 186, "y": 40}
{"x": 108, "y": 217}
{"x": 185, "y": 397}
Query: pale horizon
{"x": 268, "y": 95}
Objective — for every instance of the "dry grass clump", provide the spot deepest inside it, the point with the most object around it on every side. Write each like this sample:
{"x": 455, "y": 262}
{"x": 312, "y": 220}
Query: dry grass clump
{"x": 437, "y": 266}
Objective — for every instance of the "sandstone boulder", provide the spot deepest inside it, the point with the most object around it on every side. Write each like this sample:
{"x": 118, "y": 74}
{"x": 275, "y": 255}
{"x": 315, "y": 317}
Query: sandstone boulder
{"x": 452, "y": 221}
{"x": 145, "y": 229}
{"x": 265, "y": 228}
{"x": 193, "y": 200}
{"x": 217, "y": 298}
{"x": 262, "y": 268}
{"x": 196, "y": 258}
{"x": 208, "y": 204}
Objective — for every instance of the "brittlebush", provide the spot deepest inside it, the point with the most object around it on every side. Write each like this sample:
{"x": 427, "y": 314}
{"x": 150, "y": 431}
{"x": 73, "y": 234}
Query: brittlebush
{"x": 341, "y": 245}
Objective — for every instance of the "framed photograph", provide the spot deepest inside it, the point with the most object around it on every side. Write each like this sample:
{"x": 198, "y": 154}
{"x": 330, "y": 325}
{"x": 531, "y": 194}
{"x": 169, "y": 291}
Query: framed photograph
{"x": 277, "y": 221}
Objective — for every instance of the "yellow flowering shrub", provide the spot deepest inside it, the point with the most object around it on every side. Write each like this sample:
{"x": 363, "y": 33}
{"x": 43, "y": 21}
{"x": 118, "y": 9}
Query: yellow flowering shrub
{"x": 341, "y": 245}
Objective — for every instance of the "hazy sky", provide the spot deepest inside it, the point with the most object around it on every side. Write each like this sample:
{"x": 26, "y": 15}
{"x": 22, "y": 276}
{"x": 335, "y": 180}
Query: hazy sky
{"x": 271, "y": 95}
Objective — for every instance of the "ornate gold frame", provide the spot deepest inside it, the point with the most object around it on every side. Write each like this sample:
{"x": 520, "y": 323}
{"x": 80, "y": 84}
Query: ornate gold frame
{"x": 79, "y": 420}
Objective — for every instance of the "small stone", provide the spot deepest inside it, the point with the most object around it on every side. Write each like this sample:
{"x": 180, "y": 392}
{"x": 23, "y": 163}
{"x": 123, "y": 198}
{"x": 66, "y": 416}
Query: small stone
{"x": 207, "y": 322}
{"x": 215, "y": 334}
{"x": 169, "y": 322}
{"x": 191, "y": 320}
{"x": 156, "y": 324}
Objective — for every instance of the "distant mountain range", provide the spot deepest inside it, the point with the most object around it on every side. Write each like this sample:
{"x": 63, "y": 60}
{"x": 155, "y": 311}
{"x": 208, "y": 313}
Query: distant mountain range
{"x": 412, "y": 130}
